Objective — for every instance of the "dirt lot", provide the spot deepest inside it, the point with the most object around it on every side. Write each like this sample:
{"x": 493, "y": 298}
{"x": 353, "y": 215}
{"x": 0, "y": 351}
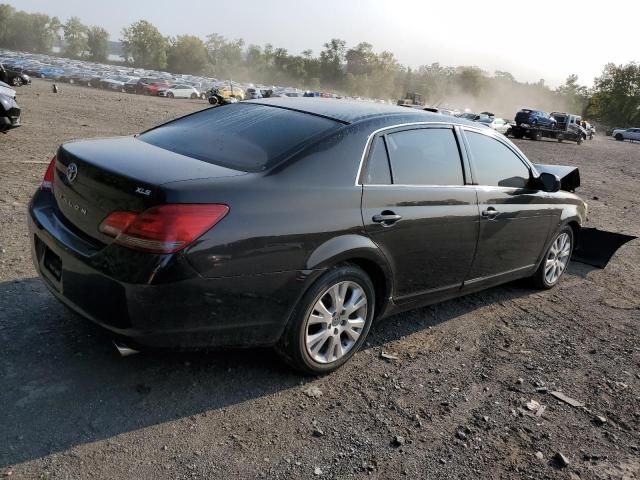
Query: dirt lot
{"x": 451, "y": 406}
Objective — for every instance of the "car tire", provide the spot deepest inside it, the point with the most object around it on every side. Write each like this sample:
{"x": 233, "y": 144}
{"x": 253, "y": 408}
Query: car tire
{"x": 16, "y": 82}
{"x": 239, "y": 98}
{"x": 557, "y": 256}
{"x": 315, "y": 343}
{"x": 194, "y": 96}
{"x": 169, "y": 95}
{"x": 213, "y": 100}
{"x": 619, "y": 137}
{"x": 535, "y": 135}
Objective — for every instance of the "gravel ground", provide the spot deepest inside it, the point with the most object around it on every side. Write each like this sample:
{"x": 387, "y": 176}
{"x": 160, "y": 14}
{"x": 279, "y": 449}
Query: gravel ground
{"x": 456, "y": 403}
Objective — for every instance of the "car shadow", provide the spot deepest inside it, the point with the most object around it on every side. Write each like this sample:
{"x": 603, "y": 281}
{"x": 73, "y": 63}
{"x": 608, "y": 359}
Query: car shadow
{"x": 64, "y": 384}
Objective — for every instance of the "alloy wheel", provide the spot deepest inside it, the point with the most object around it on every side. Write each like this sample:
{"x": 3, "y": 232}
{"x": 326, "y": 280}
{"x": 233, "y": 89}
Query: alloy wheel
{"x": 336, "y": 322}
{"x": 557, "y": 258}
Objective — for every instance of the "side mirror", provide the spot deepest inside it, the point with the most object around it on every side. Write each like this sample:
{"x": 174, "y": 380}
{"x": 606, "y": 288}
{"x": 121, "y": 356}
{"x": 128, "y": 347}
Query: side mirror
{"x": 549, "y": 182}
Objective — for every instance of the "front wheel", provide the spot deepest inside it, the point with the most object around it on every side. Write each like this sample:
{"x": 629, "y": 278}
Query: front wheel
{"x": 169, "y": 95}
{"x": 194, "y": 96}
{"x": 619, "y": 137}
{"x": 556, "y": 260}
{"x": 331, "y": 321}
{"x": 16, "y": 82}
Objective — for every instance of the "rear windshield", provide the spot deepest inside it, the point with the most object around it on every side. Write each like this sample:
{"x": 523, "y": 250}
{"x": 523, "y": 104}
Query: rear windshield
{"x": 244, "y": 136}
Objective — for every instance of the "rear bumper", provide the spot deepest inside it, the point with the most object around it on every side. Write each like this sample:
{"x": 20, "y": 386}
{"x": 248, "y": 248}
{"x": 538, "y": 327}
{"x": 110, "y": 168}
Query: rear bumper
{"x": 184, "y": 310}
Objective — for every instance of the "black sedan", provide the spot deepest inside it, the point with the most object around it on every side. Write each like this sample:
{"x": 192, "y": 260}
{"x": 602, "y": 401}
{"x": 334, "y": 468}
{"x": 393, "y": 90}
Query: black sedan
{"x": 292, "y": 222}
{"x": 14, "y": 76}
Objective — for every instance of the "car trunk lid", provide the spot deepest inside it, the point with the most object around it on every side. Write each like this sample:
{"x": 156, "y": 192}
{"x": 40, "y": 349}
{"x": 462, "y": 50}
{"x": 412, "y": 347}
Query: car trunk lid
{"x": 94, "y": 178}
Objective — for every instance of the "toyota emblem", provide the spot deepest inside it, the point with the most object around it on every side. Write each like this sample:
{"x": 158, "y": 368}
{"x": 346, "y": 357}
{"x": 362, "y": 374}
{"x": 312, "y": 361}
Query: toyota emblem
{"x": 72, "y": 172}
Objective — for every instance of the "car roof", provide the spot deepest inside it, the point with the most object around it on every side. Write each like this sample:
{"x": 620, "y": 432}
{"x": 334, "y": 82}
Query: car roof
{"x": 346, "y": 111}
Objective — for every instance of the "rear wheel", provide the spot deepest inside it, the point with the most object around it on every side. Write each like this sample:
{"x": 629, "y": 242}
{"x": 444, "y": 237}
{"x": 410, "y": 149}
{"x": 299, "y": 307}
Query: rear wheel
{"x": 535, "y": 135}
{"x": 556, "y": 260}
{"x": 331, "y": 321}
{"x": 194, "y": 96}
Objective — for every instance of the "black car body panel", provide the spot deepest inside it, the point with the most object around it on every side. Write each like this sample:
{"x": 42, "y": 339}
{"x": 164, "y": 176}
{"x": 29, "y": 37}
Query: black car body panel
{"x": 288, "y": 222}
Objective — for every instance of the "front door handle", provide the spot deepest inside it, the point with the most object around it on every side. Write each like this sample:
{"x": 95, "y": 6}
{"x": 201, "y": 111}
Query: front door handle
{"x": 386, "y": 218}
{"x": 490, "y": 213}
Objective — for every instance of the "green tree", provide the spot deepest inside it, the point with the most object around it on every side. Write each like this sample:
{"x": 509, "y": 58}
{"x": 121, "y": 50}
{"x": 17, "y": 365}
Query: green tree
{"x": 144, "y": 46}
{"x": 616, "y": 95}
{"x": 187, "y": 54}
{"x": 331, "y": 62}
{"x": 360, "y": 59}
{"x": 573, "y": 94}
{"x": 225, "y": 56}
{"x": 31, "y": 32}
{"x": 471, "y": 80}
{"x": 75, "y": 38}
{"x": 6, "y": 13}
{"x": 98, "y": 44}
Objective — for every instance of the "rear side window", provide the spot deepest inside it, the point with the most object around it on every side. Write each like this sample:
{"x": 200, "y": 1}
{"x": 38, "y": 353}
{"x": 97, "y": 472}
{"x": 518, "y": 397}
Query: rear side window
{"x": 427, "y": 156}
{"x": 495, "y": 164}
{"x": 246, "y": 137}
{"x": 378, "y": 172}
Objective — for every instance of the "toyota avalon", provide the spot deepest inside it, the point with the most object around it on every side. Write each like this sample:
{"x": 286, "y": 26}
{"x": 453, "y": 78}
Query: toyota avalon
{"x": 294, "y": 223}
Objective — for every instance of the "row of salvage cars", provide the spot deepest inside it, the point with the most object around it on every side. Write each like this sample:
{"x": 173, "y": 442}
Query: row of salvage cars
{"x": 9, "y": 109}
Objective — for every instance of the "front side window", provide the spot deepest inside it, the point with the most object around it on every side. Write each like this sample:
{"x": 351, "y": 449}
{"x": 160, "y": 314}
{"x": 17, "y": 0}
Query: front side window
{"x": 427, "y": 156}
{"x": 495, "y": 163}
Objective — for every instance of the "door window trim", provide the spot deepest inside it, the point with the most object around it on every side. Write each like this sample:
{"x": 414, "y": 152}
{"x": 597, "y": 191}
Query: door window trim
{"x": 383, "y": 132}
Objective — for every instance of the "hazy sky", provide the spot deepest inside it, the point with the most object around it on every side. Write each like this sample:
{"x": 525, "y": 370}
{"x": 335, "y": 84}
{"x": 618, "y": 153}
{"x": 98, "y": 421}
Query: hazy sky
{"x": 550, "y": 40}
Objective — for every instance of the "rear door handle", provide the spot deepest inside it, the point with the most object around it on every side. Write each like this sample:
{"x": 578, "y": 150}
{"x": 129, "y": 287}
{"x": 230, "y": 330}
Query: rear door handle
{"x": 386, "y": 218}
{"x": 490, "y": 213}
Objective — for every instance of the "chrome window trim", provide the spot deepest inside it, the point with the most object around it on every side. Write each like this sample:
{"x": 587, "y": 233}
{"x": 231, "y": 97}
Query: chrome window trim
{"x": 489, "y": 132}
{"x": 403, "y": 185}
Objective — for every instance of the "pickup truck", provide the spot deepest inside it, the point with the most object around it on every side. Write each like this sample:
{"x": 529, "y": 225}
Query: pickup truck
{"x": 621, "y": 134}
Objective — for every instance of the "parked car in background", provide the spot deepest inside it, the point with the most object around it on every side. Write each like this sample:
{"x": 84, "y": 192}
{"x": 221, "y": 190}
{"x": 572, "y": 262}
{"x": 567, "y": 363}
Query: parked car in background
{"x": 498, "y": 124}
{"x": 14, "y": 76}
{"x": 535, "y": 118}
{"x": 179, "y": 91}
{"x": 203, "y": 232}
{"x": 154, "y": 87}
{"x": 253, "y": 93}
{"x": 621, "y": 134}
{"x": 9, "y": 113}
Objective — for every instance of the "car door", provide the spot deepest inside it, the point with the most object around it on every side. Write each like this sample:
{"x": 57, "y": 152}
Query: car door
{"x": 418, "y": 210}
{"x": 515, "y": 217}
{"x": 635, "y": 134}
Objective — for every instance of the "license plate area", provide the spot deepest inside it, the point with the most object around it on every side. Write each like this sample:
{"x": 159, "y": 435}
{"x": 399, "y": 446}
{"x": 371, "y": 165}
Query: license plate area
{"x": 53, "y": 263}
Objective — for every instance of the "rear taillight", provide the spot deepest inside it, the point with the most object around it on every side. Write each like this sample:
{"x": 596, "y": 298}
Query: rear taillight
{"x": 162, "y": 229}
{"x": 47, "y": 181}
